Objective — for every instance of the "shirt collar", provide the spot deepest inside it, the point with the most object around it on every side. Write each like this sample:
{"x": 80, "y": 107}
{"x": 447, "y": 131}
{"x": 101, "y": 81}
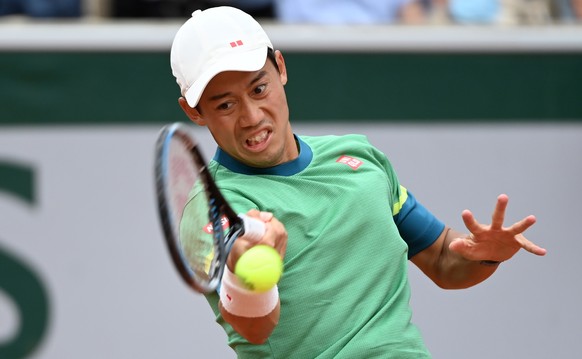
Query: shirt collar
{"x": 284, "y": 169}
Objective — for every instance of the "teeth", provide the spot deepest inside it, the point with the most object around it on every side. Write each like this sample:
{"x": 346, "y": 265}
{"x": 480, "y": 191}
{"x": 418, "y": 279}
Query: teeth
{"x": 258, "y": 138}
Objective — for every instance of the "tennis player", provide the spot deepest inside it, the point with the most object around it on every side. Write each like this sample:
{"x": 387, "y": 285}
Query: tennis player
{"x": 334, "y": 209}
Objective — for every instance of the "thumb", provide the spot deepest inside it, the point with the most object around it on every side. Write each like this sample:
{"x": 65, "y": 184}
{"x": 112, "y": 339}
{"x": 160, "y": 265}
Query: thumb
{"x": 459, "y": 245}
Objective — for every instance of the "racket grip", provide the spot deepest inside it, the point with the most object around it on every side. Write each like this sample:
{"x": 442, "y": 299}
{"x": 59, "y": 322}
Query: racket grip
{"x": 254, "y": 229}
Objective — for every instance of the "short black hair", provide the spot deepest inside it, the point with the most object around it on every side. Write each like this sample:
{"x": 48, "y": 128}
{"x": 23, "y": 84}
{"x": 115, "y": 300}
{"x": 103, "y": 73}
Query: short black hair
{"x": 271, "y": 56}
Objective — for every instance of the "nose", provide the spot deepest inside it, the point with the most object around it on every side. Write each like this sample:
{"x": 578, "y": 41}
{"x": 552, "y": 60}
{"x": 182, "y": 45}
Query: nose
{"x": 251, "y": 113}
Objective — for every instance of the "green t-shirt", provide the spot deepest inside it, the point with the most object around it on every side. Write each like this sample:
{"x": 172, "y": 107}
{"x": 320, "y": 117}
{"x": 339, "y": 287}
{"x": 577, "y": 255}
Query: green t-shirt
{"x": 344, "y": 292}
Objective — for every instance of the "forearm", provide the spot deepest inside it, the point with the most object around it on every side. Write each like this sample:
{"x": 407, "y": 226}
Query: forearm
{"x": 457, "y": 272}
{"x": 456, "y": 260}
{"x": 255, "y": 330}
{"x": 253, "y": 315}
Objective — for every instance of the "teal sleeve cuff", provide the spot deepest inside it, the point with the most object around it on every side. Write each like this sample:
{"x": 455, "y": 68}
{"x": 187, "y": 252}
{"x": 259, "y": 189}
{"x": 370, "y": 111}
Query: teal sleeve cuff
{"x": 417, "y": 226}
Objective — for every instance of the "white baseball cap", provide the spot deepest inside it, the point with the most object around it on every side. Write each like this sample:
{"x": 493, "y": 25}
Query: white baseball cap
{"x": 212, "y": 41}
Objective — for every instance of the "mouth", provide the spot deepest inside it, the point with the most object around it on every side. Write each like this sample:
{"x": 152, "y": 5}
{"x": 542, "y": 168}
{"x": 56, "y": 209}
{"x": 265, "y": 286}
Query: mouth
{"x": 258, "y": 141}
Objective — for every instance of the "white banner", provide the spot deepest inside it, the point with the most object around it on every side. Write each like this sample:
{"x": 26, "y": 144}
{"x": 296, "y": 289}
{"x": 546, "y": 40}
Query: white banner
{"x": 92, "y": 238}
{"x": 84, "y": 272}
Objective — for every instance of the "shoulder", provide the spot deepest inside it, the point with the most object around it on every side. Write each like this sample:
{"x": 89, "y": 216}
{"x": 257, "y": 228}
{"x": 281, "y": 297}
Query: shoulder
{"x": 335, "y": 140}
{"x": 350, "y": 144}
{"x": 355, "y": 147}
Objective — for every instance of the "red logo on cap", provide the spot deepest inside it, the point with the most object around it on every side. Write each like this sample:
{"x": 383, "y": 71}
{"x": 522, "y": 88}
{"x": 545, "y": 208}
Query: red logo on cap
{"x": 236, "y": 43}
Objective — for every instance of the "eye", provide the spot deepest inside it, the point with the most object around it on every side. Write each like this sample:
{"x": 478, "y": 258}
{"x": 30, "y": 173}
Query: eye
{"x": 224, "y": 106}
{"x": 260, "y": 89}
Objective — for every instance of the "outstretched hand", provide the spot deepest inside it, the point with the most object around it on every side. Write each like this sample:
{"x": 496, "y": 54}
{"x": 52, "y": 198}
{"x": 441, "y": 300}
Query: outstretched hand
{"x": 495, "y": 242}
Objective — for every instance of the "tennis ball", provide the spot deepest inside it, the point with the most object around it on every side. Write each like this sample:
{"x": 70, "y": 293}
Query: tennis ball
{"x": 259, "y": 268}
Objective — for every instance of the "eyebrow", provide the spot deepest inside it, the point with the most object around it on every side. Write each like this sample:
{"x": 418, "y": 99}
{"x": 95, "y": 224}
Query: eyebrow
{"x": 256, "y": 79}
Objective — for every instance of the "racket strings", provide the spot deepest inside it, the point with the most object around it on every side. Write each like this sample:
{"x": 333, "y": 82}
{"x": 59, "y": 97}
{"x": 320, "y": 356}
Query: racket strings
{"x": 198, "y": 225}
{"x": 218, "y": 235}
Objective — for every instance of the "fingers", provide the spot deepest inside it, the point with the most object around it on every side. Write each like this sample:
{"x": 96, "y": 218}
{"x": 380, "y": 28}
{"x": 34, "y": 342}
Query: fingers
{"x": 497, "y": 219}
{"x": 275, "y": 235}
{"x": 530, "y": 246}
{"x": 458, "y": 245}
{"x": 523, "y": 225}
{"x": 263, "y": 216}
{"x": 489, "y": 241}
{"x": 266, "y": 216}
{"x": 275, "y": 232}
{"x": 470, "y": 222}
{"x": 499, "y": 213}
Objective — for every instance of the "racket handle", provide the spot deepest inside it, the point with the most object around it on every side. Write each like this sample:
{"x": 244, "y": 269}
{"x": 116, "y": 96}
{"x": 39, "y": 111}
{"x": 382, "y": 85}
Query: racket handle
{"x": 254, "y": 228}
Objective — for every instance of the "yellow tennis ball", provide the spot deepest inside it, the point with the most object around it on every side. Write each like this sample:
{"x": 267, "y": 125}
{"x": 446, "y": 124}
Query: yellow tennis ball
{"x": 259, "y": 268}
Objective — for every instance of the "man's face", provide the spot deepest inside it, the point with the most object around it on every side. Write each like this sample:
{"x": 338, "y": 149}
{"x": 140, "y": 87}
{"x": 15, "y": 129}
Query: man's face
{"x": 248, "y": 116}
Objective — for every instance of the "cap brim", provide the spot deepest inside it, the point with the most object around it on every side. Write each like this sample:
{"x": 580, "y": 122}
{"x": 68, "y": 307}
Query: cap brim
{"x": 252, "y": 60}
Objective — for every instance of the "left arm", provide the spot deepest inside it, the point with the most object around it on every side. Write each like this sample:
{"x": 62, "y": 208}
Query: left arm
{"x": 456, "y": 260}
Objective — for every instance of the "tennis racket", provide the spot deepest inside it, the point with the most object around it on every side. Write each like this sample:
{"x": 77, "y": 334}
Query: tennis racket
{"x": 198, "y": 224}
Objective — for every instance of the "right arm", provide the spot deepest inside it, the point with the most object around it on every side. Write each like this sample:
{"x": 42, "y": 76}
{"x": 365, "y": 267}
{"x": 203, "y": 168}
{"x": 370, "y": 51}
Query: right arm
{"x": 256, "y": 329}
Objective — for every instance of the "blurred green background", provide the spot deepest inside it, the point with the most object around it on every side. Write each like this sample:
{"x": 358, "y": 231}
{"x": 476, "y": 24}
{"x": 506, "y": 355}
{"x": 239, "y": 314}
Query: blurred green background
{"x": 138, "y": 87}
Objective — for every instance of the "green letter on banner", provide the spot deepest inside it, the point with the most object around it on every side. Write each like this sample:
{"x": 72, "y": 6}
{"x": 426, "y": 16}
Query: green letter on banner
{"x": 18, "y": 279}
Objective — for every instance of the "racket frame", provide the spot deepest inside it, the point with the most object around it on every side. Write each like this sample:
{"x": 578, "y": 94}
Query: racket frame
{"x": 218, "y": 208}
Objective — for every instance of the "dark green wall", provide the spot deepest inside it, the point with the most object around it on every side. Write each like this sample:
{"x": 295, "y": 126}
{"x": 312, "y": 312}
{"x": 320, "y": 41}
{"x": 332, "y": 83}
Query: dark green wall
{"x": 124, "y": 88}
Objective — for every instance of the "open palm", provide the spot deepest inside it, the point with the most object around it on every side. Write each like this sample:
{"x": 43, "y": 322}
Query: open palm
{"x": 495, "y": 242}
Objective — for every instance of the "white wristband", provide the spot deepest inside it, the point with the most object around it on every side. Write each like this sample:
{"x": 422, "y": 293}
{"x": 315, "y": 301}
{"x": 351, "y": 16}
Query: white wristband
{"x": 242, "y": 302}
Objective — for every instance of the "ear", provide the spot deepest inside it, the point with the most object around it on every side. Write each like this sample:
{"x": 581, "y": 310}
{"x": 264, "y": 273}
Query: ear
{"x": 192, "y": 113}
{"x": 281, "y": 66}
